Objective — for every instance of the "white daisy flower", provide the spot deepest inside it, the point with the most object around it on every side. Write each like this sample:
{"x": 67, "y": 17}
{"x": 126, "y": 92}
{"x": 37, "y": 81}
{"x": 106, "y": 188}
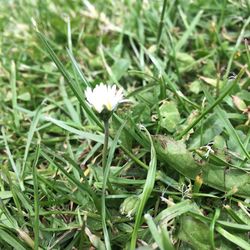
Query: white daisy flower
{"x": 104, "y": 97}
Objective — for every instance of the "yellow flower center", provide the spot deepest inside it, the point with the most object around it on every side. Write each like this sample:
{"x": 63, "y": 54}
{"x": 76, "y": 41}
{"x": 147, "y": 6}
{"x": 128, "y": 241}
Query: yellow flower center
{"x": 109, "y": 106}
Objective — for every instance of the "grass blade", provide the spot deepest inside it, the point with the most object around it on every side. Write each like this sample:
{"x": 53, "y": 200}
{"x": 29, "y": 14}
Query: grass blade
{"x": 78, "y": 69}
{"x": 233, "y": 238}
{"x": 227, "y": 90}
{"x": 148, "y": 187}
{"x": 175, "y": 211}
{"x": 221, "y": 114}
{"x": 75, "y": 88}
{"x": 241, "y": 36}
{"x": 162, "y": 241}
{"x": 160, "y": 28}
{"x": 36, "y": 199}
{"x": 81, "y": 186}
{"x": 71, "y": 110}
{"x": 105, "y": 180}
{"x": 82, "y": 134}
{"x": 14, "y": 93}
{"x": 188, "y": 32}
{"x": 211, "y": 228}
{"x": 11, "y": 240}
{"x": 12, "y": 162}
{"x": 29, "y": 138}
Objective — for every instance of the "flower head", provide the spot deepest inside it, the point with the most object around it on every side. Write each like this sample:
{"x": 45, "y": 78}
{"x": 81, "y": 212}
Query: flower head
{"x": 104, "y": 97}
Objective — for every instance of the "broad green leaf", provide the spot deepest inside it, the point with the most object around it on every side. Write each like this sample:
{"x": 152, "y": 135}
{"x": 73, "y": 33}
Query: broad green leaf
{"x": 24, "y": 96}
{"x": 120, "y": 67}
{"x": 195, "y": 87}
{"x": 170, "y": 116}
{"x": 194, "y": 232}
{"x": 212, "y": 127}
{"x": 176, "y": 155}
{"x": 185, "y": 61}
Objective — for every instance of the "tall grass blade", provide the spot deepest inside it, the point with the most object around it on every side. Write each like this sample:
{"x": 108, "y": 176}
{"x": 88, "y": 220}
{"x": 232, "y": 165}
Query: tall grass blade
{"x": 233, "y": 238}
{"x": 31, "y": 132}
{"x": 227, "y": 90}
{"x": 75, "y": 88}
{"x": 105, "y": 180}
{"x": 36, "y": 198}
{"x": 14, "y": 93}
{"x": 11, "y": 159}
{"x": 147, "y": 189}
{"x": 231, "y": 131}
{"x": 11, "y": 240}
{"x": 80, "y": 186}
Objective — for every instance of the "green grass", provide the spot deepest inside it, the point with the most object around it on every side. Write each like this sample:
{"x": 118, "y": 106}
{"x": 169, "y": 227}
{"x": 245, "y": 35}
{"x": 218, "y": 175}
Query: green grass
{"x": 174, "y": 60}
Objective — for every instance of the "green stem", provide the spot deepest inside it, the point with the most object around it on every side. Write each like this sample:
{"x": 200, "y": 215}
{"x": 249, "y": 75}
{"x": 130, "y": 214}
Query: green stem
{"x": 36, "y": 199}
{"x": 105, "y": 145}
{"x": 161, "y": 25}
{"x": 104, "y": 183}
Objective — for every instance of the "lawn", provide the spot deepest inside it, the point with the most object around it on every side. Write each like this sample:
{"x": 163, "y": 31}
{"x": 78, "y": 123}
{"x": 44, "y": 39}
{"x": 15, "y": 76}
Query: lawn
{"x": 174, "y": 170}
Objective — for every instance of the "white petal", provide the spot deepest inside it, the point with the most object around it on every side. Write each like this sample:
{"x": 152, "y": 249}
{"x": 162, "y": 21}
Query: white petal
{"x": 104, "y": 96}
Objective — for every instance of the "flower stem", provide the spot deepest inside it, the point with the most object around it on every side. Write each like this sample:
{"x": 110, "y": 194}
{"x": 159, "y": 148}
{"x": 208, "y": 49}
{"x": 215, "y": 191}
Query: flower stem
{"x": 105, "y": 145}
{"x": 104, "y": 183}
